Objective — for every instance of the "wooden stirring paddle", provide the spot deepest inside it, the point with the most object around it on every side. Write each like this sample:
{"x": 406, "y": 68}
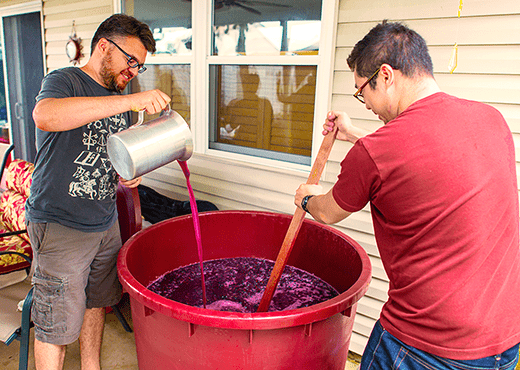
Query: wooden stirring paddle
{"x": 296, "y": 223}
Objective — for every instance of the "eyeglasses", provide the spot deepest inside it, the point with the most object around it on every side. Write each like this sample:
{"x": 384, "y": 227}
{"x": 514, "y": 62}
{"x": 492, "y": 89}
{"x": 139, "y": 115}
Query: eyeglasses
{"x": 132, "y": 63}
{"x": 358, "y": 95}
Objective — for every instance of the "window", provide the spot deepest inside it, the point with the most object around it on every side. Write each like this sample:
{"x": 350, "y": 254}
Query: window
{"x": 167, "y": 70}
{"x": 270, "y": 108}
{"x": 267, "y": 37}
{"x": 169, "y": 20}
{"x": 264, "y": 110}
{"x": 259, "y": 64}
{"x": 173, "y": 79}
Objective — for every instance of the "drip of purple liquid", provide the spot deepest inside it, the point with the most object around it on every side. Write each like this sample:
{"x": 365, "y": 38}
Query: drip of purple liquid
{"x": 196, "y": 225}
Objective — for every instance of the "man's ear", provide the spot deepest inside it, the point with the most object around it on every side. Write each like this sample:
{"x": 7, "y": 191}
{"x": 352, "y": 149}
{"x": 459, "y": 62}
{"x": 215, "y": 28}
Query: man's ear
{"x": 102, "y": 45}
{"x": 388, "y": 73}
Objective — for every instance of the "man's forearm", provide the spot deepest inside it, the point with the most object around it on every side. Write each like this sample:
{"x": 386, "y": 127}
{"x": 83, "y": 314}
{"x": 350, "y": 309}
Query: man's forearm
{"x": 69, "y": 113}
{"x": 323, "y": 208}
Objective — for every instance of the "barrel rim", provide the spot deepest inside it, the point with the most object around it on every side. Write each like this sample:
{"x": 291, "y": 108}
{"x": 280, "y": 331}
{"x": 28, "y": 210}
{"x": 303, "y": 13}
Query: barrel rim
{"x": 235, "y": 320}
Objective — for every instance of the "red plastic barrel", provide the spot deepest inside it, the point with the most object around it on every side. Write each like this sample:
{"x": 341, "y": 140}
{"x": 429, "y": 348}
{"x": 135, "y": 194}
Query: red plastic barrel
{"x": 171, "y": 335}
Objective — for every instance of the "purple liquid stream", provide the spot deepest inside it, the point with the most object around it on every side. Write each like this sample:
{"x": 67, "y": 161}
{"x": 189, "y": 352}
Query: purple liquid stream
{"x": 196, "y": 225}
{"x": 237, "y": 284}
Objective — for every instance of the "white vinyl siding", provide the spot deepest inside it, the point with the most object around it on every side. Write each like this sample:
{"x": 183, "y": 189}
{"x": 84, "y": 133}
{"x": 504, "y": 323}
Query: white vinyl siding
{"x": 58, "y": 16}
{"x": 6, "y": 4}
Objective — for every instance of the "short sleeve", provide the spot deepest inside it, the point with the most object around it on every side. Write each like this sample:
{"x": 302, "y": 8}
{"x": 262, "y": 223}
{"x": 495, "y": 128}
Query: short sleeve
{"x": 358, "y": 181}
{"x": 56, "y": 85}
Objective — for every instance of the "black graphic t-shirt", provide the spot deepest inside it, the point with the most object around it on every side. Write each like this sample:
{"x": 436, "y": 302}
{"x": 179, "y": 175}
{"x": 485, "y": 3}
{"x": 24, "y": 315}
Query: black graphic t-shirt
{"x": 74, "y": 183}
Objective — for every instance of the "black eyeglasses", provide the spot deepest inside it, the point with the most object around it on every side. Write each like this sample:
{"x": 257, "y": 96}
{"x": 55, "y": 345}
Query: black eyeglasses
{"x": 358, "y": 94}
{"x": 132, "y": 63}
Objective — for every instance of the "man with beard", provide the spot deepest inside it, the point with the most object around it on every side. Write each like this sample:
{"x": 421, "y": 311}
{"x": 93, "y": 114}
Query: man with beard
{"x": 71, "y": 212}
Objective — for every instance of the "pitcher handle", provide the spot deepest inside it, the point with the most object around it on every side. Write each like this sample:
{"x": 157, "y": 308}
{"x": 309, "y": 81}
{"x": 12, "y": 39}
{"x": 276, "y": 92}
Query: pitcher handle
{"x": 140, "y": 118}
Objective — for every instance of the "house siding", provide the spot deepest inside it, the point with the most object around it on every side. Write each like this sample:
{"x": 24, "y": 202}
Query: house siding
{"x": 488, "y": 35}
{"x": 8, "y": 3}
{"x": 58, "y": 16}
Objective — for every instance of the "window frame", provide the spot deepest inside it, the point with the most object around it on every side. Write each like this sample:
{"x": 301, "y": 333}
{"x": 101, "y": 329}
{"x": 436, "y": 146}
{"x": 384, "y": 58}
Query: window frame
{"x": 201, "y": 60}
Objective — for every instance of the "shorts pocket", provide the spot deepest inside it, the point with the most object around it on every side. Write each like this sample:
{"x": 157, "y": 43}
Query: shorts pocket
{"x": 48, "y": 309}
{"x": 406, "y": 360}
{"x": 37, "y": 233}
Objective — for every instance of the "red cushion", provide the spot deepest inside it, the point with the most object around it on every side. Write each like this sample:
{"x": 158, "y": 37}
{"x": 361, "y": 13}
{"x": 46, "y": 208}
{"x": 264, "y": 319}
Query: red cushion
{"x": 12, "y": 215}
{"x": 19, "y": 177}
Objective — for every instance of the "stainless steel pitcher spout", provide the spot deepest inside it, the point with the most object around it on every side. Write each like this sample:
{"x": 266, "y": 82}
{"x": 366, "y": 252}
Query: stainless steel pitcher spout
{"x": 145, "y": 147}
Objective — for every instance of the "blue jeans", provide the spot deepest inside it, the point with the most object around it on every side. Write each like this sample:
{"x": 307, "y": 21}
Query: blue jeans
{"x": 384, "y": 351}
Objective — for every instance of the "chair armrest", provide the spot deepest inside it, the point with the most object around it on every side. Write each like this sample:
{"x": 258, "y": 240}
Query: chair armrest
{"x": 11, "y": 233}
{"x": 25, "y": 257}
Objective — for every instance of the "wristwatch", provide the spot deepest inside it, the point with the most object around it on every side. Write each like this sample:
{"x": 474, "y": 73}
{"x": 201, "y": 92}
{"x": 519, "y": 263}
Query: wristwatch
{"x": 305, "y": 200}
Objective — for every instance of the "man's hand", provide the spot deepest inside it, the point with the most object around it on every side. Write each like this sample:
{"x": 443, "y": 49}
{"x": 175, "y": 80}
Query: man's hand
{"x": 153, "y": 101}
{"x": 130, "y": 183}
{"x": 306, "y": 189}
{"x": 346, "y": 130}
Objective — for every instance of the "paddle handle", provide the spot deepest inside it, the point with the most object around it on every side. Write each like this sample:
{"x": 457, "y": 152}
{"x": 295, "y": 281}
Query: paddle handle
{"x": 296, "y": 223}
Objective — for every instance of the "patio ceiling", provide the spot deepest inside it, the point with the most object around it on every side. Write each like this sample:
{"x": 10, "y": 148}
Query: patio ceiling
{"x": 176, "y": 13}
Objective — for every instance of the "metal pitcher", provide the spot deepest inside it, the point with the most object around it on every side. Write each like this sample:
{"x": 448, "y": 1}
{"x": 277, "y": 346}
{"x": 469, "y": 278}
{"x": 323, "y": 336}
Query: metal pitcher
{"x": 144, "y": 147}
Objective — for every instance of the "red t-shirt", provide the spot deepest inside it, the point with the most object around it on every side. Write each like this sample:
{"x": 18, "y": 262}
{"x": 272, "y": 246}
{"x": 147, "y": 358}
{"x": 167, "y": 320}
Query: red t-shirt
{"x": 441, "y": 182}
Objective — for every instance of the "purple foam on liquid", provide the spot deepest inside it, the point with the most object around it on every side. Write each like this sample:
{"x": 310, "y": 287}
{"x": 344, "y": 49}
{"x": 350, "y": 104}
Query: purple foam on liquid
{"x": 237, "y": 285}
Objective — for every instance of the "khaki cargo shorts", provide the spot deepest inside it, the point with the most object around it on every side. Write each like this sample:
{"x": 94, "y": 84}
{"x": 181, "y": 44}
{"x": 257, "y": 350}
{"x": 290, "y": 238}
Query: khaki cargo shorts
{"x": 73, "y": 271}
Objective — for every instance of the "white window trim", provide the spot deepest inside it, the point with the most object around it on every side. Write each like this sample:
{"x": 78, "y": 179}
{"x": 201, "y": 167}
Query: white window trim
{"x": 201, "y": 59}
{"x": 117, "y": 6}
{"x": 17, "y": 9}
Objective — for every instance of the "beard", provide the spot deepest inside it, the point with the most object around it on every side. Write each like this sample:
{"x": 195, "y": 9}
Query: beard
{"x": 109, "y": 77}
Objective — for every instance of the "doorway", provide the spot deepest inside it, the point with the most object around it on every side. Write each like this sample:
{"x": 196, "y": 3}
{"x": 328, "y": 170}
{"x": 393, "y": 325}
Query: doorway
{"x": 23, "y": 53}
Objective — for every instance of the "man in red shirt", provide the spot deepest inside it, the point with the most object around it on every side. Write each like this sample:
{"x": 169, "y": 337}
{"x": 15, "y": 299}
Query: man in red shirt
{"x": 440, "y": 178}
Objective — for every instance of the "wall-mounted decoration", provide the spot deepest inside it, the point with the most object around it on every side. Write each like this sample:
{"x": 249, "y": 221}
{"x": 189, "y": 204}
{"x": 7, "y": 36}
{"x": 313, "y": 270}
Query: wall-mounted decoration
{"x": 73, "y": 47}
{"x": 455, "y": 51}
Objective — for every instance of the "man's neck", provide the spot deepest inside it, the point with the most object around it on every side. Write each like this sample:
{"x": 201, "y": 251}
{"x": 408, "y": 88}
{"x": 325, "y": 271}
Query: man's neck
{"x": 416, "y": 89}
{"x": 92, "y": 72}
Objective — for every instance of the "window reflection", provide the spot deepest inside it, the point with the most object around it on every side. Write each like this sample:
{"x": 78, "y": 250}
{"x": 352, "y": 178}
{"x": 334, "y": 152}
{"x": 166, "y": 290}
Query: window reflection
{"x": 258, "y": 110}
{"x": 169, "y": 20}
{"x": 243, "y": 27}
{"x": 265, "y": 107}
{"x": 172, "y": 40}
{"x": 173, "y": 79}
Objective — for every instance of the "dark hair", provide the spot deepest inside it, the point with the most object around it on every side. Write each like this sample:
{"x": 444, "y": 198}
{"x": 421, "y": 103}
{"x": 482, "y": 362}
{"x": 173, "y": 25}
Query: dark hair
{"x": 126, "y": 26}
{"x": 392, "y": 43}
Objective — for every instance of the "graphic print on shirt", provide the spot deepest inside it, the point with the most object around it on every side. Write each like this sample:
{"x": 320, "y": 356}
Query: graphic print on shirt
{"x": 95, "y": 179}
